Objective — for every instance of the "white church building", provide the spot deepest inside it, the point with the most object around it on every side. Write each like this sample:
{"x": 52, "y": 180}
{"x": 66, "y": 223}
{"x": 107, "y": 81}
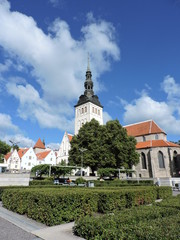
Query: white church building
{"x": 158, "y": 157}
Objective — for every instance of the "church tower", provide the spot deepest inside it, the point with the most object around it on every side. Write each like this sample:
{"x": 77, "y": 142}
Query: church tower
{"x": 88, "y": 106}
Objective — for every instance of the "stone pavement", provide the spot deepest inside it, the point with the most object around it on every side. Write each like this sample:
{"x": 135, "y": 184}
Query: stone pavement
{"x": 30, "y": 229}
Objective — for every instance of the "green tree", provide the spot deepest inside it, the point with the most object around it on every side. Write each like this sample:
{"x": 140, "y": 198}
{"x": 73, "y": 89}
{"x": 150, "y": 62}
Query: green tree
{"x": 90, "y": 138}
{"x": 4, "y": 149}
{"x": 58, "y": 171}
{"x": 46, "y": 169}
{"x": 39, "y": 170}
{"x": 108, "y": 146}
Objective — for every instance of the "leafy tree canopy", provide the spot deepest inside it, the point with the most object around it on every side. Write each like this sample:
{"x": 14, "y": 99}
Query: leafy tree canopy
{"x": 108, "y": 146}
{"x": 4, "y": 149}
{"x": 56, "y": 171}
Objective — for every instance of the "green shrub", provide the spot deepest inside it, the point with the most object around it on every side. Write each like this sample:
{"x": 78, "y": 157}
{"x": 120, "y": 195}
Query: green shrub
{"x": 41, "y": 182}
{"x": 137, "y": 223}
{"x": 54, "y": 205}
{"x": 50, "y": 206}
{"x": 163, "y": 192}
{"x": 122, "y": 183}
{"x": 80, "y": 180}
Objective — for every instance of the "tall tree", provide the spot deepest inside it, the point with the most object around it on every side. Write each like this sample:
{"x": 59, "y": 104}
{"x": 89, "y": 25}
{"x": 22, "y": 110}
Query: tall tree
{"x": 89, "y": 137}
{"x": 107, "y": 146}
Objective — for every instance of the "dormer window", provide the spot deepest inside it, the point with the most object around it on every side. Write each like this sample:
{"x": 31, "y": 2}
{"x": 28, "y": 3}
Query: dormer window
{"x": 156, "y": 137}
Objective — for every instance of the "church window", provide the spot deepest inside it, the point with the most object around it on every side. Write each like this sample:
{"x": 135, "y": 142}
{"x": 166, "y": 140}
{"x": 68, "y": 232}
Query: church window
{"x": 144, "y": 138}
{"x": 79, "y": 111}
{"x": 96, "y": 110}
{"x": 93, "y": 109}
{"x": 156, "y": 137}
{"x": 85, "y": 109}
{"x": 143, "y": 161}
{"x": 82, "y": 110}
{"x": 161, "y": 160}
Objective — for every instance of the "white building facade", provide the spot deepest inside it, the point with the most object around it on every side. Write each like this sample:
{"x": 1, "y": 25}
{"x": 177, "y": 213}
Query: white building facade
{"x": 63, "y": 153}
{"x": 28, "y": 159}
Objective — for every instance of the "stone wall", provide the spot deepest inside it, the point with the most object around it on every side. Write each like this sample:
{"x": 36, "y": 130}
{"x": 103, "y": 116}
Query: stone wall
{"x": 14, "y": 179}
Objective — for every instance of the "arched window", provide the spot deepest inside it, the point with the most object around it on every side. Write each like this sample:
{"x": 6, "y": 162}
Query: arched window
{"x": 85, "y": 109}
{"x": 143, "y": 161}
{"x": 161, "y": 160}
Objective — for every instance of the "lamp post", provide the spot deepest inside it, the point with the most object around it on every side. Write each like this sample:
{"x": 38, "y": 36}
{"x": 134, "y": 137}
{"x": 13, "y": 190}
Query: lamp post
{"x": 82, "y": 150}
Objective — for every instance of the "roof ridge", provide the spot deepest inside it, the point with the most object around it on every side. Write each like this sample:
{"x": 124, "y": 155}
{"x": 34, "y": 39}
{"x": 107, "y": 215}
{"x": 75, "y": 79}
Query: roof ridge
{"x": 137, "y": 123}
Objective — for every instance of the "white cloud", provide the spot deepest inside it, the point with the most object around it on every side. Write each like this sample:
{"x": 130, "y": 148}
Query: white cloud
{"x": 20, "y": 140}
{"x": 35, "y": 108}
{"x": 54, "y": 146}
{"x": 106, "y": 117}
{"x": 6, "y": 124}
{"x": 165, "y": 113}
{"x": 58, "y": 62}
{"x": 9, "y": 131}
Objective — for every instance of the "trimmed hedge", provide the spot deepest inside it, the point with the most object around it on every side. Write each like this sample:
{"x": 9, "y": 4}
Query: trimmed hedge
{"x": 57, "y": 205}
{"x": 158, "y": 222}
{"x": 122, "y": 183}
{"x": 41, "y": 182}
{"x": 50, "y": 206}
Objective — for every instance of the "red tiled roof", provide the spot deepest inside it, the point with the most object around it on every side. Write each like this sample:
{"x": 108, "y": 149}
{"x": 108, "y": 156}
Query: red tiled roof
{"x": 155, "y": 143}
{"x": 22, "y": 151}
{"x": 42, "y": 155}
{"x": 143, "y": 128}
{"x": 39, "y": 144}
{"x": 70, "y": 136}
{"x": 7, "y": 156}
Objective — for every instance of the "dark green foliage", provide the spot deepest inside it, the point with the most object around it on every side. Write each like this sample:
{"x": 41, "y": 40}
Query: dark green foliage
{"x": 41, "y": 182}
{"x": 46, "y": 169}
{"x": 108, "y": 146}
{"x": 56, "y": 205}
{"x": 39, "y": 170}
{"x": 80, "y": 180}
{"x": 157, "y": 222}
{"x": 122, "y": 183}
{"x": 50, "y": 206}
{"x": 4, "y": 149}
{"x": 163, "y": 192}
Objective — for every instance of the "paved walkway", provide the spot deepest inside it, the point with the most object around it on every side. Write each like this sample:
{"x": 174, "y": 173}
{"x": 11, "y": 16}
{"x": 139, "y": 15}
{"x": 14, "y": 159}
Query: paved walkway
{"x": 14, "y": 226}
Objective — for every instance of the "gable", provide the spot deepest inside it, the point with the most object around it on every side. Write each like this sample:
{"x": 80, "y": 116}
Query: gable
{"x": 143, "y": 128}
{"x": 39, "y": 144}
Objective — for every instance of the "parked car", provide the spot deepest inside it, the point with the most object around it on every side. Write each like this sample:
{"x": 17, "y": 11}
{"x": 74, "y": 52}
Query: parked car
{"x": 61, "y": 181}
{"x": 56, "y": 181}
{"x": 78, "y": 173}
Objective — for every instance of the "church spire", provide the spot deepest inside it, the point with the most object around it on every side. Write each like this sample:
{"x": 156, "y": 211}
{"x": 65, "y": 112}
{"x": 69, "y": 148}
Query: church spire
{"x": 88, "y": 66}
{"x": 88, "y": 84}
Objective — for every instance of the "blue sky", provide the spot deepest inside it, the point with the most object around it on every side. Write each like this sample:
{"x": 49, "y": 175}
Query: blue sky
{"x": 134, "y": 48}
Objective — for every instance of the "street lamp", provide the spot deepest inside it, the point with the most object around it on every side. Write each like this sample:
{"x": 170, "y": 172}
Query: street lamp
{"x": 82, "y": 150}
